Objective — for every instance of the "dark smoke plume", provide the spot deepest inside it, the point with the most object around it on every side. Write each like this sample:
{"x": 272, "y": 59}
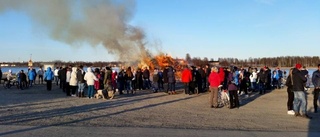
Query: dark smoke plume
{"x": 86, "y": 21}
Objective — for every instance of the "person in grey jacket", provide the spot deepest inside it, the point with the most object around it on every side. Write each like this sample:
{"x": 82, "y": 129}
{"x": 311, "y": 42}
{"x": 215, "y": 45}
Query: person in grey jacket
{"x": 316, "y": 84}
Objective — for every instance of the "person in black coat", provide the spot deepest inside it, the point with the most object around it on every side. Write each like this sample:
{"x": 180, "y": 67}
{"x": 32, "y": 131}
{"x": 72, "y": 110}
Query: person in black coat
{"x": 139, "y": 80}
{"x": 202, "y": 81}
{"x": 300, "y": 102}
{"x": 289, "y": 84}
{"x": 23, "y": 80}
{"x": 63, "y": 78}
{"x": 165, "y": 79}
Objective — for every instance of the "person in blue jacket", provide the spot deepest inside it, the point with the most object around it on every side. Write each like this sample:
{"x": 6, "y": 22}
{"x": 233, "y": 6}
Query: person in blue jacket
{"x": 31, "y": 76}
{"x": 49, "y": 77}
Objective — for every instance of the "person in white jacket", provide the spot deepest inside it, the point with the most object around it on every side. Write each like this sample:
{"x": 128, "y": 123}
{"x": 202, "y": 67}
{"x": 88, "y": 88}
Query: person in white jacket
{"x": 73, "y": 81}
{"x": 90, "y": 78}
{"x": 253, "y": 79}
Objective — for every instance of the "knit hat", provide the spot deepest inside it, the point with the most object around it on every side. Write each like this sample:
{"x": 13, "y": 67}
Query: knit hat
{"x": 298, "y": 66}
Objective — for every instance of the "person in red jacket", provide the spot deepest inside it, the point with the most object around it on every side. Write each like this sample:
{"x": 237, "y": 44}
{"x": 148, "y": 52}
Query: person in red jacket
{"x": 215, "y": 81}
{"x": 186, "y": 77}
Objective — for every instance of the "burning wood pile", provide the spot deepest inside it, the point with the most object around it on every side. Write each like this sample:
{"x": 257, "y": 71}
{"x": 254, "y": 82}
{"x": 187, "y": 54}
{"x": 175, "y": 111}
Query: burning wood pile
{"x": 161, "y": 61}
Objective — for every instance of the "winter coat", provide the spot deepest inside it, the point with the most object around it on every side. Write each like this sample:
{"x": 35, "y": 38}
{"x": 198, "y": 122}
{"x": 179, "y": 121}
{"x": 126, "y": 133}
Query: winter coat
{"x": 263, "y": 77}
{"x": 298, "y": 80}
{"x": 214, "y": 79}
{"x": 236, "y": 77}
{"x": 231, "y": 83}
{"x": 68, "y": 76}
{"x": 316, "y": 78}
{"x": 31, "y": 75}
{"x": 139, "y": 76}
{"x": 165, "y": 75}
{"x": 90, "y": 77}
{"x": 63, "y": 74}
{"x": 49, "y": 74}
{"x": 289, "y": 82}
{"x": 208, "y": 71}
{"x": 155, "y": 77}
{"x": 171, "y": 77}
{"x": 146, "y": 74}
{"x": 253, "y": 77}
{"x": 107, "y": 77}
{"x": 114, "y": 79}
{"x": 221, "y": 74}
{"x": 202, "y": 73}
{"x": 73, "y": 78}
{"x": 186, "y": 76}
{"x": 128, "y": 76}
{"x": 40, "y": 72}
{"x": 80, "y": 76}
{"x": 275, "y": 75}
{"x": 22, "y": 76}
{"x": 97, "y": 82}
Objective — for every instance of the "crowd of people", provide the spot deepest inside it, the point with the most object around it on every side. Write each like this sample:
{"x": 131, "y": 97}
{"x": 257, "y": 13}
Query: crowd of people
{"x": 195, "y": 79}
{"x": 73, "y": 80}
{"x": 24, "y": 79}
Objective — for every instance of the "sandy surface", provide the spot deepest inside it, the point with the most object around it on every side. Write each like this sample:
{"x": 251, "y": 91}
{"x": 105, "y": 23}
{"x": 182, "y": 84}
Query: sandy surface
{"x": 38, "y": 107}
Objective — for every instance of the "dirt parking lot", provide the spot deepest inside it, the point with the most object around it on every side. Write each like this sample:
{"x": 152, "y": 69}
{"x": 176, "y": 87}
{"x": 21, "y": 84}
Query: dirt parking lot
{"x": 38, "y": 107}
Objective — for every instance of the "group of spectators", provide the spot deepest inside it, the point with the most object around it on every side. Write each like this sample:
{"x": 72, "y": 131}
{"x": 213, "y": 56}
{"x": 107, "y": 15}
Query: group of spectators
{"x": 296, "y": 88}
{"x": 25, "y": 79}
{"x": 72, "y": 79}
{"x": 236, "y": 81}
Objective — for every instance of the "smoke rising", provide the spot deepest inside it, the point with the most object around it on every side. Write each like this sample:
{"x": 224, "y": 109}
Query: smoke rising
{"x": 86, "y": 21}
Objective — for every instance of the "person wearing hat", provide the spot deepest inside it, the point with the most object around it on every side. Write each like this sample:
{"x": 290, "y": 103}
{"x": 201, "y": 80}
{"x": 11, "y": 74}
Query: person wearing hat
{"x": 316, "y": 84}
{"x": 299, "y": 102}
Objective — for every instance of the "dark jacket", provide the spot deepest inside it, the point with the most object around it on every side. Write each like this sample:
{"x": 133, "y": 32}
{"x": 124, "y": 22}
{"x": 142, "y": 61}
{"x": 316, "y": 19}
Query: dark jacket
{"x": 171, "y": 77}
{"x": 263, "y": 76}
{"x": 22, "y": 76}
{"x": 202, "y": 73}
{"x": 231, "y": 85}
{"x": 128, "y": 75}
{"x": 139, "y": 76}
{"x": 298, "y": 80}
{"x": 289, "y": 82}
{"x": 165, "y": 75}
{"x": 316, "y": 78}
{"x": 146, "y": 74}
{"x": 80, "y": 76}
{"x": 63, "y": 74}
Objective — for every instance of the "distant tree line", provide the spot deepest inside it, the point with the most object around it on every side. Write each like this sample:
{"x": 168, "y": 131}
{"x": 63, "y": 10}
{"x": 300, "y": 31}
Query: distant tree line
{"x": 283, "y": 61}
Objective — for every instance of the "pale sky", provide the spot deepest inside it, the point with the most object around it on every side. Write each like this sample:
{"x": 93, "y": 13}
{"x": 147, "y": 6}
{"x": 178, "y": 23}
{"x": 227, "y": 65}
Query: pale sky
{"x": 202, "y": 28}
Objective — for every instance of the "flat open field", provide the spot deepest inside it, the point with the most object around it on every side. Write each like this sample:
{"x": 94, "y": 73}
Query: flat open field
{"x": 41, "y": 108}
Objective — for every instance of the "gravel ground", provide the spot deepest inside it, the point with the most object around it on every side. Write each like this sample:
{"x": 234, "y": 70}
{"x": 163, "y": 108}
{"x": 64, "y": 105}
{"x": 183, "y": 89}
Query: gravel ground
{"x": 38, "y": 107}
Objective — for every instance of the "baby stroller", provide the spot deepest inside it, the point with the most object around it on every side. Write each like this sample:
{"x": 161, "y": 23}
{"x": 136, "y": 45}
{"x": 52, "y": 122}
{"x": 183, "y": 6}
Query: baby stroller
{"x": 223, "y": 98}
